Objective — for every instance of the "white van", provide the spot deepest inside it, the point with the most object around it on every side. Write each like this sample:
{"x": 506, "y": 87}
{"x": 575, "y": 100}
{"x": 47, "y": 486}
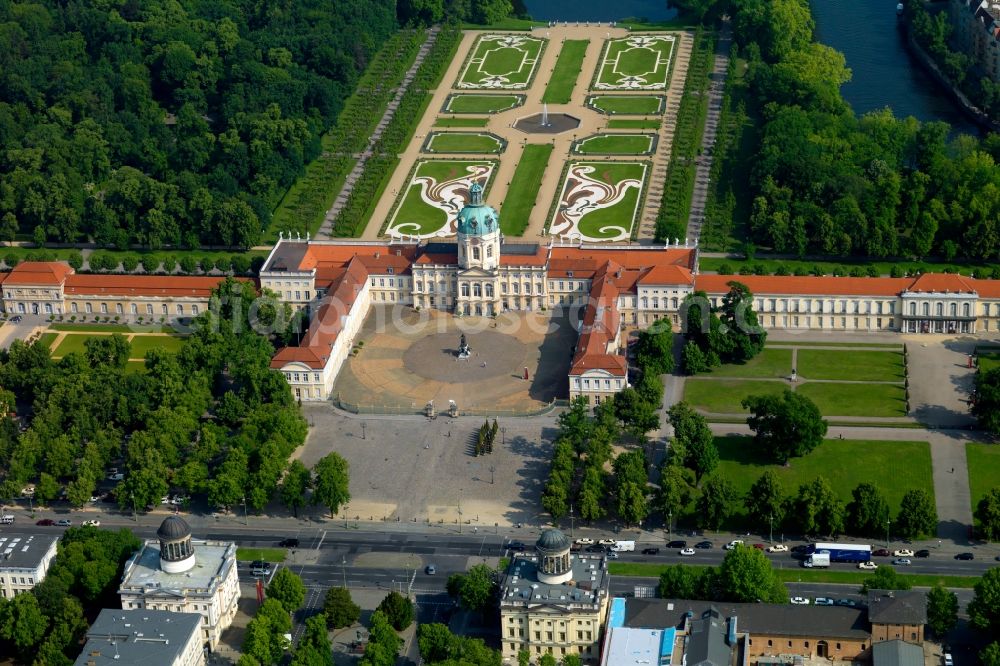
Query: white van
{"x": 6, "y": 519}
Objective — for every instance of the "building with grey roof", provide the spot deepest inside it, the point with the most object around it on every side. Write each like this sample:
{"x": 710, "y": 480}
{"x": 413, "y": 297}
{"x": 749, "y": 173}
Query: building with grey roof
{"x": 897, "y": 614}
{"x": 553, "y": 601}
{"x": 24, "y": 561}
{"x": 707, "y": 643}
{"x": 897, "y": 653}
{"x": 143, "y": 638}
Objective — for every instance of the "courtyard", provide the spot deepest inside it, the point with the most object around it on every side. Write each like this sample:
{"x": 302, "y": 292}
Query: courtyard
{"x": 407, "y": 359}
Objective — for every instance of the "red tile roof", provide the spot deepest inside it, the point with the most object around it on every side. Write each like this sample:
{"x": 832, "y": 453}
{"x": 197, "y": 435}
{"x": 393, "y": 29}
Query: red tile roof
{"x": 794, "y": 285}
{"x": 941, "y": 282}
{"x": 48, "y": 273}
{"x": 601, "y": 320}
{"x": 174, "y": 286}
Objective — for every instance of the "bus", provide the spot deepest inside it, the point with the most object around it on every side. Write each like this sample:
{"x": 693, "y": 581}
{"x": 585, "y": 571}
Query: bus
{"x": 842, "y": 552}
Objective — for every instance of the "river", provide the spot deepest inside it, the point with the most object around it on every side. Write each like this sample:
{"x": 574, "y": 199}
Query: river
{"x": 884, "y": 73}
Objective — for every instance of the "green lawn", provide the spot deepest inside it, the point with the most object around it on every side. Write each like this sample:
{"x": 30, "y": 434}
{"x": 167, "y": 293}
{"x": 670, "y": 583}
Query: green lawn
{"x": 110, "y": 328}
{"x": 867, "y": 366}
{"x": 989, "y": 360}
{"x": 414, "y": 215}
{"x": 135, "y": 367}
{"x": 793, "y": 573}
{"x": 567, "y": 70}
{"x": 712, "y": 264}
{"x": 143, "y": 343}
{"x": 625, "y": 66}
{"x": 633, "y": 123}
{"x": 461, "y": 122}
{"x": 895, "y": 467}
{"x": 856, "y": 399}
{"x": 468, "y": 103}
{"x": 523, "y": 190}
{"x": 616, "y": 144}
{"x": 724, "y": 396}
{"x": 983, "y": 461}
{"x": 463, "y": 142}
{"x": 634, "y": 105}
{"x": 876, "y": 346}
{"x": 266, "y": 554}
{"x": 769, "y": 363}
{"x": 70, "y": 344}
{"x": 496, "y": 57}
{"x": 46, "y": 339}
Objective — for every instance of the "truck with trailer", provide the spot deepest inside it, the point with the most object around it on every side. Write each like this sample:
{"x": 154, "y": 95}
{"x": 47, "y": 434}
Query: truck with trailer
{"x": 623, "y": 546}
{"x": 842, "y": 552}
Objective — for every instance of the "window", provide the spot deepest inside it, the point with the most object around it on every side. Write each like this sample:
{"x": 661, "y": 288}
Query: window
{"x": 475, "y": 253}
{"x": 477, "y": 289}
{"x": 489, "y": 251}
{"x": 89, "y": 308}
{"x": 149, "y": 308}
{"x": 838, "y": 646}
{"x": 73, "y": 308}
{"x": 119, "y": 309}
{"x": 926, "y": 309}
{"x": 194, "y": 309}
{"x": 164, "y": 308}
{"x": 939, "y": 309}
{"x": 104, "y": 308}
{"x": 135, "y": 309}
{"x": 420, "y": 285}
{"x": 465, "y": 289}
{"x": 489, "y": 291}
{"x": 315, "y": 376}
{"x": 913, "y": 309}
{"x": 298, "y": 295}
{"x": 965, "y": 309}
{"x": 180, "y": 309}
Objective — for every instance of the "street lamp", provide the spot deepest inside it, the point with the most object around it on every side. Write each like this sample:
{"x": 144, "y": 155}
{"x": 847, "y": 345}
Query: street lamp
{"x": 493, "y": 470}
{"x": 571, "y": 521}
{"x": 459, "y": 510}
{"x": 887, "y": 534}
{"x": 343, "y": 568}
{"x": 134, "y": 516}
{"x": 770, "y": 527}
{"x": 503, "y": 436}
{"x": 670, "y": 522}
{"x": 363, "y": 434}
{"x": 246, "y": 519}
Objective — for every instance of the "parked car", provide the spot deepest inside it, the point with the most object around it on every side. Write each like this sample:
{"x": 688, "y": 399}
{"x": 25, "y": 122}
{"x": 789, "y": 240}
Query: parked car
{"x": 732, "y": 544}
{"x": 760, "y": 546}
{"x": 64, "y": 522}
{"x": 15, "y": 319}
{"x": 845, "y": 602}
{"x": 902, "y": 562}
{"x": 585, "y": 541}
{"x": 612, "y": 554}
{"x": 289, "y": 543}
{"x": 607, "y": 542}
{"x": 902, "y": 552}
{"x": 922, "y": 553}
{"x": 94, "y": 499}
{"x": 799, "y": 601}
{"x": 704, "y": 545}
{"x": 116, "y": 477}
{"x": 778, "y": 548}
{"x": 46, "y": 522}
{"x": 965, "y": 556}
{"x": 881, "y": 552}
{"x": 868, "y": 566}
{"x": 260, "y": 568}
{"x": 91, "y": 523}
{"x": 517, "y": 545}
{"x": 948, "y": 661}
{"x": 677, "y": 543}
{"x": 595, "y": 549}
{"x": 430, "y": 570}
{"x": 800, "y": 548}
{"x": 687, "y": 551}
{"x": 650, "y": 551}
{"x": 823, "y": 601}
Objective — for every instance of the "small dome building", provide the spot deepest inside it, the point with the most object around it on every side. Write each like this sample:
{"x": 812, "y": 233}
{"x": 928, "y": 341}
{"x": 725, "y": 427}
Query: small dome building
{"x": 478, "y": 233}
{"x": 176, "y": 549}
{"x": 553, "y": 549}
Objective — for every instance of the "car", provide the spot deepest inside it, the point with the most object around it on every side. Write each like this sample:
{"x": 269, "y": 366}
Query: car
{"x": 799, "y": 601}
{"x": 260, "y": 568}
{"x": 732, "y": 544}
{"x": 595, "y": 549}
{"x": 881, "y": 552}
{"x": 677, "y": 543}
{"x": 584, "y": 541}
{"x": 612, "y": 555}
{"x": 965, "y": 556}
{"x": 902, "y": 562}
{"x": 902, "y": 552}
{"x": 800, "y": 549}
{"x": 760, "y": 546}
{"x": 179, "y": 499}
{"x": 823, "y": 601}
{"x": 430, "y": 570}
{"x": 94, "y": 499}
{"x": 116, "y": 477}
{"x": 948, "y": 661}
{"x": 46, "y": 522}
{"x": 922, "y": 553}
{"x": 64, "y": 522}
{"x": 517, "y": 545}
{"x": 778, "y": 548}
{"x": 867, "y": 566}
{"x": 15, "y": 319}
{"x": 289, "y": 543}
{"x": 607, "y": 542}
{"x": 165, "y": 499}
{"x": 703, "y": 545}
{"x": 851, "y": 603}
{"x": 91, "y": 523}
{"x": 650, "y": 551}
{"x": 686, "y": 551}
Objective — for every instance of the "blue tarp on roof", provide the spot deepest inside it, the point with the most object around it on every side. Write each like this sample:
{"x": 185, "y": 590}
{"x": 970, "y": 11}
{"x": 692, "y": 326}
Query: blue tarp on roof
{"x": 616, "y": 618}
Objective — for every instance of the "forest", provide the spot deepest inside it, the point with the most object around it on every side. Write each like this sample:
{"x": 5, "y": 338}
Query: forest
{"x": 828, "y": 182}
{"x": 169, "y": 122}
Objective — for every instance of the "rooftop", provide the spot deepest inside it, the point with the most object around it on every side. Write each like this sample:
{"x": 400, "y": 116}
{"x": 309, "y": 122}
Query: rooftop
{"x": 707, "y": 641}
{"x": 142, "y": 637}
{"x": 638, "y": 646}
{"x": 177, "y": 286}
{"x": 46, "y": 273}
{"x": 24, "y": 551}
{"x": 520, "y": 586}
{"x": 897, "y": 653}
{"x": 212, "y": 561}
{"x": 897, "y": 607}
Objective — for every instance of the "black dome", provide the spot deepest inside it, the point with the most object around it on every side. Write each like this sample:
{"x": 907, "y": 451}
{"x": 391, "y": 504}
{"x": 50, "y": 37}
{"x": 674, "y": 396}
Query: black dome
{"x": 553, "y": 541}
{"x": 173, "y": 528}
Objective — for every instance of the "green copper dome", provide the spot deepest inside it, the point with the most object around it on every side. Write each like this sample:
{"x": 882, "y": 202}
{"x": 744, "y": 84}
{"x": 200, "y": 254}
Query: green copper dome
{"x": 477, "y": 218}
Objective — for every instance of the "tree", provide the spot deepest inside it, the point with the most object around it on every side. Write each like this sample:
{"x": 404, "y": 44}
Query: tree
{"x": 434, "y": 640}
{"x": 990, "y": 655}
{"x": 22, "y": 622}
{"x": 638, "y": 416}
{"x": 339, "y": 608}
{"x": 746, "y": 576}
{"x": 679, "y": 582}
{"x": 288, "y": 589}
{"x": 868, "y": 511}
{"x": 694, "y": 438}
{"x": 592, "y": 494}
{"x": 984, "y": 609}
{"x": 986, "y": 400}
{"x": 631, "y": 478}
{"x": 654, "y": 349}
{"x": 765, "y": 501}
{"x": 475, "y": 589}
{"x": 264, "y": 640}
{"x": 785, "y": 425}
{"x": 572, "y": 660}
{"x": 818, "y": 510}
{"x": 942, "y": 610}
{"x": 314, "y": 647}
{"x": 988, "y": 514}
{"x": 523, "y": 658}
{"x": 884, "y": 578}
{"x": 331, "y": 487}
{"x": 8, "y": 227}
{"x": 295, "y": 485}
{"x": 716, "y": 503}
{"x": 693, "y": 359}
{"x": 383, "y": 644}
{"x": 398, "y": 610}
{"x": 917, "y": 515}
{"x": 675, "y": 489}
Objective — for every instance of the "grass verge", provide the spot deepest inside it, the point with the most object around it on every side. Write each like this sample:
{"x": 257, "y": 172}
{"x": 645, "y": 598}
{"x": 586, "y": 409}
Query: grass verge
{"x": 633, "y": 123}
{"x": 879, "y": 400}
{"x": 461, "y": 122}
{"x": 266, "y": 554}
{"x": 864, "y": 366}
{"x": 844, "y": 267}
{"x": 566, "y": 72}
{"x": 983, "y": 461}
{"x": 516, "y": 209}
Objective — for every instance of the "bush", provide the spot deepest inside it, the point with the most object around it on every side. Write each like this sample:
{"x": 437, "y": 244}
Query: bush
{"x": 11, "y": 260}
{"x": 75, "y": 260}
{"x": 872, "y": 271}
{"x": 896, "y": 271}
{"x": 169, "y": 263}
{"x": 759, "y": 269}
{"x": 398, "y": 610}
{"x": 149, "y": 264}
{"x": 801, "y": 271}
{"x": 224, "y": 264}
{"x": 206, "y": 264}
{"x": 782, "y": 270}
{"x": 725, "y": 269}
{"x": 188, "y": 264}
{"x": 746, "y": 270}
{"x": 241, "y": 264}
{"x": 130, "y": 262}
